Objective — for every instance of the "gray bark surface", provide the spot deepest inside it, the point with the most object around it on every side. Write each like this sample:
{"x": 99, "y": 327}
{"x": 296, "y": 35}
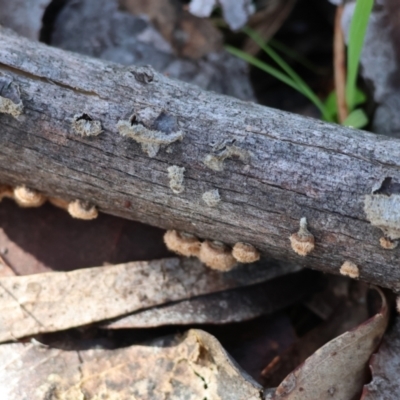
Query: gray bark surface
{"x": 270, "y": 167}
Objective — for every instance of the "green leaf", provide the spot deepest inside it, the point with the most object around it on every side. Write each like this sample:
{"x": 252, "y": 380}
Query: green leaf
{"x": 301, "y": 85}
{"x": 294, "y": 55}
{"x": 359, "y": 97}
{"x": 331, "y": 105}
{"x": 262, "y": 65}
{"x": 358, "y": 28}
{"x": 356, "y": 119}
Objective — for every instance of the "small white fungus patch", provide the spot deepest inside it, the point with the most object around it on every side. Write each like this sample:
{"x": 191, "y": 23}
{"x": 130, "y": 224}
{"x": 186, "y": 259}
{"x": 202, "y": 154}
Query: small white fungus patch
{"x": 211, "y": 198}
{"x": 175, "y": 175}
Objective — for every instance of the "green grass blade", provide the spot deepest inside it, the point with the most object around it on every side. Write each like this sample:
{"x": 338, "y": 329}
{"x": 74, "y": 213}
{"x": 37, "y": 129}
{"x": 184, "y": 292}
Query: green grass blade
{"x": 331, "y": 105}
{"x": 358, "y": 27}
{"x": 302, "y": 87}
{"x": 277, "y": 45}
{"x": 263, "y": 66}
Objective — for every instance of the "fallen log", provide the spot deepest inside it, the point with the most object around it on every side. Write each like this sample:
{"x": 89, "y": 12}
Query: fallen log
{"x": 74, "y": 127}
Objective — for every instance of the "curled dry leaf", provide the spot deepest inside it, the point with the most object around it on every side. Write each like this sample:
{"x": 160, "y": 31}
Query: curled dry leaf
{"x": 385, "y": 367}
{"x": 338, "y": 369}
{"x": 55, "y": 301}
{"x": 350, "y": 310}
{"x": 193, "y": 367}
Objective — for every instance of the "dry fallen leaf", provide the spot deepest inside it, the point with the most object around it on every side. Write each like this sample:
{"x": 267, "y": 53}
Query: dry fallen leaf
{"x": 193, "y": 367}
{"x": 233, "y": 305}
{"x": 385, "y": 367}
{"x": 350, "y": 310}
{"x": 190, "y": 36}
{"x": 338, "y": 369}
{"x": 54, "y": 301}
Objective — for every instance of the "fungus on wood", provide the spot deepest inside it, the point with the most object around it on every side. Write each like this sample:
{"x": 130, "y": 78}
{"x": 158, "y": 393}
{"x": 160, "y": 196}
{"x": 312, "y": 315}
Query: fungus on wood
{"x": 82, "y": 210}
{"x": 84, "y": 125}
{"x": 211, "y": 197}
{"x": 10, "y": 97}
{"x": 151, "y": 140}
{"x": 27, "y": 197}
{"x": 175, "y": 175}
{"x": 245, "y": 253}
{"x": 182, "y": 243}
{"x": 303, "y": 241}
{"x": 217, "y": 255}
{"x": 350, "y": 269}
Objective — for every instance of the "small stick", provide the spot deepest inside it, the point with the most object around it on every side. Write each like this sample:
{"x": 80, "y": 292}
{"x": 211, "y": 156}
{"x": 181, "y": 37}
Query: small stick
{"x": 339, "y": 66}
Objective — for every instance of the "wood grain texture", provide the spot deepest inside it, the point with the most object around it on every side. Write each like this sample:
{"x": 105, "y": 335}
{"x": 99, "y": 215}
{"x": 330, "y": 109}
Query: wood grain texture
{"x": 291, "y": 166}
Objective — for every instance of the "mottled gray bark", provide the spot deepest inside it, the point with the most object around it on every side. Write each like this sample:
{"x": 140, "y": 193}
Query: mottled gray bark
{"x": 270, "y": 168}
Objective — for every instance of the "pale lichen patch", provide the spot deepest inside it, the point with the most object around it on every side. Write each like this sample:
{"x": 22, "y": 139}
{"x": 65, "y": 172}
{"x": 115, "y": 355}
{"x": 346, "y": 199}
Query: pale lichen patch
{"x": 175, "y": 175}
{"x": 350, "y": 269}
{"x": 82, "y": 210}
{"x": 10, "y": 97}
{"x": 84, "y": 125}
{"x": 150, "y": 140}
{"x": 26, "y": 197}
{"x": 303, "y": 241}
{"x": 7, "y": 106}
{"x": 211, "y": 198}
{"x": 383, "y": 211}
{"x": 216, "y": 160}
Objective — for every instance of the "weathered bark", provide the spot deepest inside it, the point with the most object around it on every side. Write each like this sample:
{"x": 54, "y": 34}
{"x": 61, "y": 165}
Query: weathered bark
{"x": 278, "y": 167}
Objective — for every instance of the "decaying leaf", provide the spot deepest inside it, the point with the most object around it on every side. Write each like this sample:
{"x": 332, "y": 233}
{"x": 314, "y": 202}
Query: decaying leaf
{"x": 226, "y": 307}
{"x": 338, "y": 369}
{"x": 350, "y": 311}
{"x": 59, "y": 300}
{"x": 193, "y": 367}
{"x": 189, "y": 35}
{"x": 385, "y": 367}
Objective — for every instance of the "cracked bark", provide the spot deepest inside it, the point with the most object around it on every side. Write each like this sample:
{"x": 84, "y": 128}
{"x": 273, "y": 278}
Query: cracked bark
{"x": 298, "y": 167}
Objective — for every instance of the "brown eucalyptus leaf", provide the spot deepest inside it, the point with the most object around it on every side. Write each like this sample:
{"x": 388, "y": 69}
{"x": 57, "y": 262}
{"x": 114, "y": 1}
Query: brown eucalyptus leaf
{"x": 193, "y": 367}
{"x": 350, "y": 311}
{"x": 338, "y": 369}
{"x": 233, "y": 305}
{"x": 55, "y": 301}
{"x": 189, "y": 36}
{"x": 385, "y": 367}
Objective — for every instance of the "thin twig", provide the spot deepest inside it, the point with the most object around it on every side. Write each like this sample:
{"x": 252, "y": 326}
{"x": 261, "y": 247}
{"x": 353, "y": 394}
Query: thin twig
{"x": 340, "y": 66}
